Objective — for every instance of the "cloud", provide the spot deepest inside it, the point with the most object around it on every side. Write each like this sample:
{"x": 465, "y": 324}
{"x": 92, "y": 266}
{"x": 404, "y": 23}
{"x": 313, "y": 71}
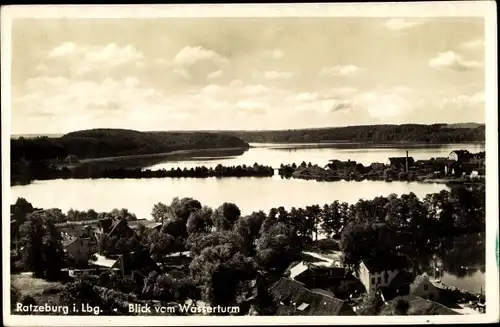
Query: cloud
{"x": 199, "y": 63}
{"x": 339, "y": 70}
{"x": 255, "y": 89}
{"x": 383, "y": 104}
{"x": 471, "y": 100}
{"x": 252, "y": 106}
{"x": 214, "y": 75}
{"x": 74, "y": 100}
{"x": 475, "y": 44}
{"x": 188, "y": 56}
{"x": 63, "y": 49}
{"x": 86, "y": 59}
{"x": 306, "y": 96}
{"x": 273, "y": 75}
{"x": 402, "y": 24}
{"x": 274, "y": 54}
{"x": 453, "y": 60}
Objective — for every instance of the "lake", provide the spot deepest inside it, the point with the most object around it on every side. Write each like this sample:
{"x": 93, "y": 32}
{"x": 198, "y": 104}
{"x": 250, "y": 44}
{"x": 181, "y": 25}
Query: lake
{"x": 276, "y": 154}
{"x": 250, "y": 194}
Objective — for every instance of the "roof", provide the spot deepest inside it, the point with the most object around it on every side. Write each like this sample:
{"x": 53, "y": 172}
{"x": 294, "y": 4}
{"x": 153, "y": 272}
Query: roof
{"x": 139, "y": 261}
{"x": 400, "y": 160}
{"x": 298, "y": 269}
{"x": 401, "y": 279}
{"x": 419, "y": 280}
{"x": 103, "y": 261}
{"x": 293, "y": 295}
{"x": 134, "y": 224}
{"x": 68, "y": 241}
{"x": 386, "y": 263}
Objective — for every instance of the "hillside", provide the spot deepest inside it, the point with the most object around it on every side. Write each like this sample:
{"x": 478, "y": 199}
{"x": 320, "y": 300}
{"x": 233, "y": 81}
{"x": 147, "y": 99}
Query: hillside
{"x": 96, "y": 143}
{"x": 411, "y": 133}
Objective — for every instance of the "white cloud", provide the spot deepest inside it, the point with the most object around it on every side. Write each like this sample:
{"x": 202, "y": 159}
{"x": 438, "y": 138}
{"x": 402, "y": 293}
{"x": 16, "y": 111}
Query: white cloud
{"x": 274, "y": 54}
{"x": 254, "y": 89}
{"x": 188, "y": 56}
{"x": 401, "y": 24}
{"x": 63, "y": 49}
{"x": 199, "y": 63}
{"x": 214, "y": 75}
{"x": 211, "y": 89}
{"x": 306, "y": 96}
{"x": 471, "y": 100}
{"x": 273, "y": 75}
{"x": 252, "y": 106}
{"x": 84, "y": 59}
{"x": 383, "y": 104}
{"x": 451, "y": 59}
{"x": 473, "y": 44}
{"x": 340, "y": 70}
{"x": 236, "y": 82}
{"x": 61, "y": 97}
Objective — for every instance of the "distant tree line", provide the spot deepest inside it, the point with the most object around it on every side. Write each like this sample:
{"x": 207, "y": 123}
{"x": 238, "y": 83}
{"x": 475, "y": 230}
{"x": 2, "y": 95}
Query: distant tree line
{"x": 43, "y": 171}
{"x": 99, "y": 143}
{"x": 416, "y": 133}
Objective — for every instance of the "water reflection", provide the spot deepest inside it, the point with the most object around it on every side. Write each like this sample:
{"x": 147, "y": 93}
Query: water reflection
{"x": 462, "y": 260}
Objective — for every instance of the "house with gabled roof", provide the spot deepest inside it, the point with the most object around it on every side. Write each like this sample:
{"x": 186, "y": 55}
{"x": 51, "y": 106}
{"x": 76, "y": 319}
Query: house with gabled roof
{"x": 423, "y": 287}
{"x": 137, "y": 263}
{"x": 294, "y": 299}
{"x": 379, "y": 272}
{"x": 78, "y": 249}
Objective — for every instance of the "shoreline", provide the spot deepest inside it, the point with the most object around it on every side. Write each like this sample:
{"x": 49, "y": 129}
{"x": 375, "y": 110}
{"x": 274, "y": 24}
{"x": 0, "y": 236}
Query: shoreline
{"x": 156, "y": 155}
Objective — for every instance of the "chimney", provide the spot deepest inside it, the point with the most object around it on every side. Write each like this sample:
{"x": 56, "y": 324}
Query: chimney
{"x": 406, "y": 160}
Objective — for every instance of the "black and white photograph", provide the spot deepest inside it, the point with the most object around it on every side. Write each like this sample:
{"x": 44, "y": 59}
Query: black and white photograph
{"x": 250, "y": 164}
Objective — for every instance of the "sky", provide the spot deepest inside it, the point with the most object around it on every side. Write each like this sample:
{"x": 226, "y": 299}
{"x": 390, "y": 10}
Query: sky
{"x": 244, "y": 73}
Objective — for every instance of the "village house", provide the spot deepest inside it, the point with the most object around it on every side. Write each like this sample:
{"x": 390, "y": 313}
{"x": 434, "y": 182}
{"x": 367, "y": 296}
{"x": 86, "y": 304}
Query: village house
{"x": 423, "y": 287}
{"x": 459, "y": 155}
{"x": 324, "y": 276}
{"x": 401, "y": 163}
{"x": 336, "y": 164}
{"x": 399, "y": 286}
{"x": 379, "y": 272}
{"x": 135, "y": 224}
{"x": 293, "y": 298}
{"x": 138, "y": 264}
{"x": 79, "y": 250}
{"x": 377, "y": 166}
{"x": 113, "y": 227}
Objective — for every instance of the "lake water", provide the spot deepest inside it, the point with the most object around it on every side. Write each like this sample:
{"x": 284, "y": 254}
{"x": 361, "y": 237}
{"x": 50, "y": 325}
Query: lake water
{"x": 276, "y": 154}
{"x": 250, "y": 194}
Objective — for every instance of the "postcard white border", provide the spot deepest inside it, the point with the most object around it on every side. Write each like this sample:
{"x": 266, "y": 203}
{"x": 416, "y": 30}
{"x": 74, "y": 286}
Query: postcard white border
{"x": 485, "y": 9}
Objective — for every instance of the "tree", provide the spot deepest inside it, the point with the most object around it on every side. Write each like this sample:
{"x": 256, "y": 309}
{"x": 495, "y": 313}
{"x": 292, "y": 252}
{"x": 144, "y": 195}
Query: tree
{"x": 197, "y": 242}
{"x": 43, "y": 252}
{"x": 80, "y": 292}
{"x": 401, "y": 307}
{"x": 248, "y": 228}
{"x": 371, "y": 304}
{"x": 331, "y": 219}
{"x": 200, "y": 221}
{"x": 160, "y": 244}
{"x": 277, "y": 247}
{"x": 160, "y": 212}
{"x": 220, "y": 269}
{"x": 225, "y": 216}
{"x": 20, "y": 210}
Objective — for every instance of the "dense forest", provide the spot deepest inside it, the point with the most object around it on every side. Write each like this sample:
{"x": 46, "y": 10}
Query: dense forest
{"x": 99, "y": 143}
{"x": 413, "y": 133}
{"x": 229, "y": 251}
